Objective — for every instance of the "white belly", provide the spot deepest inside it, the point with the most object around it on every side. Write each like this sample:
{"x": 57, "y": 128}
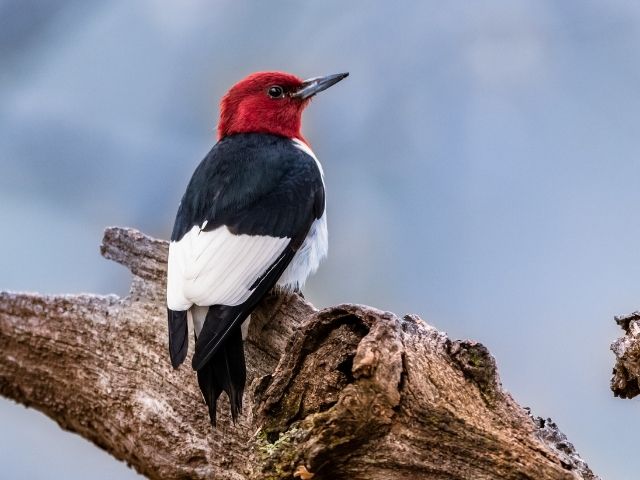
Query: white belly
{"x": 308, "y": 258}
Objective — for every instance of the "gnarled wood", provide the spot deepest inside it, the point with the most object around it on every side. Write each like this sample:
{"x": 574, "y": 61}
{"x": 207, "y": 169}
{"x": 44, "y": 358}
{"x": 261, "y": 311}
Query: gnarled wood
{"x": 626, "y": 372}
{"x": 346, "y": 392}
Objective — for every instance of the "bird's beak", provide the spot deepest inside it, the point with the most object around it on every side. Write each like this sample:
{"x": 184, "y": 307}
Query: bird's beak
{"x": 315, "y": 85}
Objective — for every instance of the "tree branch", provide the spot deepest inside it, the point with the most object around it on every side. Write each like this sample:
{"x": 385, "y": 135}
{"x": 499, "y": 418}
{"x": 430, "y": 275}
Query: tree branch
{"x": 346, "y": 392}
{"x": 626, "y": 372}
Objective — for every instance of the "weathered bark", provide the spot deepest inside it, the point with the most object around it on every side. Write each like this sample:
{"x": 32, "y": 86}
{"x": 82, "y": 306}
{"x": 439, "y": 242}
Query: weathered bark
{"x": 346, "y": 392}
{"x": 626, "y": 372}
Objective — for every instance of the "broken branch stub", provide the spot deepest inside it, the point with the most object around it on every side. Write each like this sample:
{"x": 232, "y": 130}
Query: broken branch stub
{"x": 626, "y": 371}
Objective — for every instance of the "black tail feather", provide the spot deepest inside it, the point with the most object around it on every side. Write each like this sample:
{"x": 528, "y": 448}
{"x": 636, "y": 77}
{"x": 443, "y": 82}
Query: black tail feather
{"x": 178, "y": 336}
{"x": 225, "y": 371}
{"x": 220, "y": 320}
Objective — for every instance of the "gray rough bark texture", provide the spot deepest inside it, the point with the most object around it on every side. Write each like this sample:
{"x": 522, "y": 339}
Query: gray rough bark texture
{"x": 626, "y": 371}
{"x": 346, "y": 392}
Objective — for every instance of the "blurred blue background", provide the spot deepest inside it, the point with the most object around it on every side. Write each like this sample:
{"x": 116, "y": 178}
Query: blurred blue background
{"x": 481, "y": 162}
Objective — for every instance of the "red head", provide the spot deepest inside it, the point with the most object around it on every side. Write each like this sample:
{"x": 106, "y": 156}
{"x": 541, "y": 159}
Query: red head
{"x": 269, "y": 102}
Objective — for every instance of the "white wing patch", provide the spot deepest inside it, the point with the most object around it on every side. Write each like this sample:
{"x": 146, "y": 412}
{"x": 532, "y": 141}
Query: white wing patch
{"x": 217, "y": 267}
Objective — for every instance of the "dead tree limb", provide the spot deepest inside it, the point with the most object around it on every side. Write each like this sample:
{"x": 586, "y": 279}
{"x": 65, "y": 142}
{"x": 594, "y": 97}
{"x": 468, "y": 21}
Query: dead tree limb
{"x": 346, "y": 392}
{"x": 626, "y": 371}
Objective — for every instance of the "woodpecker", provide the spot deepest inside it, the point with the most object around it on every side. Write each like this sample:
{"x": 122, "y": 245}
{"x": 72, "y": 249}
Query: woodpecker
{"x": 252, "y": 217}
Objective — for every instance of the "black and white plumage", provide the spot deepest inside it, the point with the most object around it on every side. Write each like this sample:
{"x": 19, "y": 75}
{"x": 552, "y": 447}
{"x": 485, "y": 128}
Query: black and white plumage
{"x": 253, "y": 216}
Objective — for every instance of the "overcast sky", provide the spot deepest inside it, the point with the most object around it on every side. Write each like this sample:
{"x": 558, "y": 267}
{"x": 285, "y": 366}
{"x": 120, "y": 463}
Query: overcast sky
{"x": 481, "y": 165}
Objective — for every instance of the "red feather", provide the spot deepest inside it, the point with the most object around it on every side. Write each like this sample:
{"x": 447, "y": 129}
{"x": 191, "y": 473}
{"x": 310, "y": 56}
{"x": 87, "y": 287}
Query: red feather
{"x": 247, "y": 108}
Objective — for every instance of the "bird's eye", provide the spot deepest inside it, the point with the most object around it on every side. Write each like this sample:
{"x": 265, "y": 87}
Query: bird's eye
{"x": 276, "y": 91}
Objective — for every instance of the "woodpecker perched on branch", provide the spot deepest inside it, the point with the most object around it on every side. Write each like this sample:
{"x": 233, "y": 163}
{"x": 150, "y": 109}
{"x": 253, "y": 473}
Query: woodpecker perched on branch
{"x": 252, "y": 217}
